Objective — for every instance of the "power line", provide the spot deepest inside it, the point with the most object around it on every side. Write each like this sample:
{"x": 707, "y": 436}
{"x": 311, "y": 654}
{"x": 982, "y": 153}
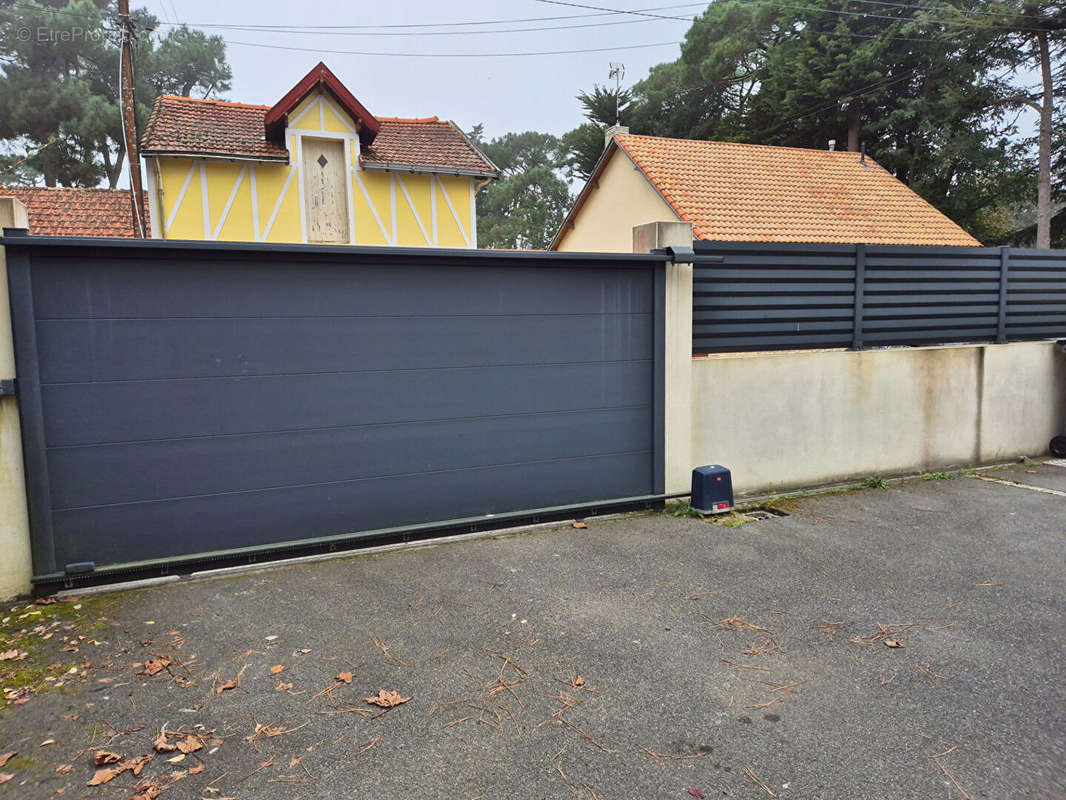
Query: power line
{"x": 969, "y": 13}
{"x": 769, "y": 3}
{"x": 884, "y": 83}
{"x": 330, "y": 32}
{"x": 373, "y": 28}
{"x": 452, "y": 55}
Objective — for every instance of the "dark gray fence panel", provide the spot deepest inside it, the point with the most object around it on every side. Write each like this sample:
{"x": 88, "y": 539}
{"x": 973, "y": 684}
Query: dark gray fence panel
{"x": 763, "y": 296}
{"x": 196, "y": 399}
{"x": 749, "y": 296}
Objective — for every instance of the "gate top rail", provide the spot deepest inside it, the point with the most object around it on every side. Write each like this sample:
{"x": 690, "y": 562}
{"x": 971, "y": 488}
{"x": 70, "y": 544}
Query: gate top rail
{"x": 445, "y": 256}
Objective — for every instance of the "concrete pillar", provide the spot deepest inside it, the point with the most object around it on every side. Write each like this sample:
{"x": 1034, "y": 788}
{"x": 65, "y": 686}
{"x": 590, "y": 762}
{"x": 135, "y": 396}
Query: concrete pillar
{"x": 15, "y": 564}
{"x": 678, "y": 400}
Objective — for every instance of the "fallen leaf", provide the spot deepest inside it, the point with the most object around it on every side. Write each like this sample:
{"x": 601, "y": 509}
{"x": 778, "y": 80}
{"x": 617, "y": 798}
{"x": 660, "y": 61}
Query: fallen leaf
{"x": 893, "y": 643}
{"x": 148, "y": 791}
{"x": 44, "y": 601}
{"x": 5, "y": 777}
{"x": 695, "y": 792}
{"x": 190, "y": 744}
{"x": 5, "y": 757}
{"x": 176, "y": 759}
{"x": 101, "y": 758}
{"x": 270, "y": 638}
{"x": 305, "y": 650}
{"x": 105, "y": 775}
{"x": 387, "y": 699}
{"x": 577, "y": 681}
{"x": 65, "y": 769}
{"x": 282, "y": 686}
{"x": 197, "y": 769}
{"x": 277, "y": 668}
{"x": 345, "y": 677}
{"x": 580, "y": 525}
{"x": 154, "y": 666}
{"x": 12, "y": 655}
{"x": 222, "y": 687}
{"x": 47, "y": 742}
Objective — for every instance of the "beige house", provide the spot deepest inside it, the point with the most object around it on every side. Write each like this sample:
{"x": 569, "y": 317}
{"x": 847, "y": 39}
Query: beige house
{"x": 744, "y": 192}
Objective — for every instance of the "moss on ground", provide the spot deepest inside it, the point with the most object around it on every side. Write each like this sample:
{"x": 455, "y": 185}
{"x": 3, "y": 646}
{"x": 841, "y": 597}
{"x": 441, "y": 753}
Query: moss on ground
{"x": 41, "y": 632}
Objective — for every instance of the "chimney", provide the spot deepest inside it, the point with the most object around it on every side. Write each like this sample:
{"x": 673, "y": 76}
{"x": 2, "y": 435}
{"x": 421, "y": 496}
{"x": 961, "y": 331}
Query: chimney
{"x": 611, "y": 132}
{"x": 832, "y": 145}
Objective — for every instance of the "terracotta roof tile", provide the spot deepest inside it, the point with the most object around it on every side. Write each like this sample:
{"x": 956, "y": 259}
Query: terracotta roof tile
{"x": 745, "y": 192}
{"x": 76, "y": 212}
{"x": 208, "y": 127}
{"x": 213, "y": 127}
{"x": 426, "y": 142}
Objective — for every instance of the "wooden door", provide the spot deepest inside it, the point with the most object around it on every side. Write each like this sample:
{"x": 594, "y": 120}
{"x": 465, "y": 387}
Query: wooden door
{"x": 325, "y": 191}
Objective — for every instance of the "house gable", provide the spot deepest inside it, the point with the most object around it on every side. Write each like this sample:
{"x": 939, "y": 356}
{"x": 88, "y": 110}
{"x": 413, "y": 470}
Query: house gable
{"x": 319, "y": 81}
{"x": 617, "y": 198}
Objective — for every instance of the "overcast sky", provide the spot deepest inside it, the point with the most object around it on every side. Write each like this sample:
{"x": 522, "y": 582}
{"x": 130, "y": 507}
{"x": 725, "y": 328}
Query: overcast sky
{"x": 505, "y": 92}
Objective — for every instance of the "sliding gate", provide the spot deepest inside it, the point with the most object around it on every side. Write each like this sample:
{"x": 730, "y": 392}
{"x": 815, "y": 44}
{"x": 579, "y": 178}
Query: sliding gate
{"x": 184, "y": 401}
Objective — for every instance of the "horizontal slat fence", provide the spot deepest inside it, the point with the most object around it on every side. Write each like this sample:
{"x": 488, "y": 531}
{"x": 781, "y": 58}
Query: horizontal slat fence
{"x": 795, "y": 296}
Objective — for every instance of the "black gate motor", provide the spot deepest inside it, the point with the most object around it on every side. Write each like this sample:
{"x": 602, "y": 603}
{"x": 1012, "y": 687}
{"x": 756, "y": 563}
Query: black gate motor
{"x": 712, "y": 490}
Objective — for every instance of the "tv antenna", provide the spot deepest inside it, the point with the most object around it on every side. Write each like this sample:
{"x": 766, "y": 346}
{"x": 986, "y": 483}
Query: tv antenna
{"x": 618, "y": 71}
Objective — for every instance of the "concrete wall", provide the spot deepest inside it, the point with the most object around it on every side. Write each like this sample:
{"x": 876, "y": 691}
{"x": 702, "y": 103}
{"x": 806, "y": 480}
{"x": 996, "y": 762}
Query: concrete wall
{"x": 786, "y": 420}
{"x": 15, "y": 566}
{"x": 678, "y": 345}
{"x": 622, "y": 200}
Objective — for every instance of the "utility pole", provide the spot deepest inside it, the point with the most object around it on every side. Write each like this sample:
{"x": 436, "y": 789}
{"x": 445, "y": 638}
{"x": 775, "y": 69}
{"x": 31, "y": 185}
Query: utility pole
{"x": 129, "y": 116}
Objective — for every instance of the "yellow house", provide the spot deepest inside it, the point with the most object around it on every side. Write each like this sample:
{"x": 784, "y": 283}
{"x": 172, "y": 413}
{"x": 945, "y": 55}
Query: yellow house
{"x": 317, "y": 167}
{"x": 747, "y": 193}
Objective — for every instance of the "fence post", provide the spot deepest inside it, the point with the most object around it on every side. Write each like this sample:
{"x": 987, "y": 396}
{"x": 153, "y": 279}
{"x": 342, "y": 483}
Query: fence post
{"x": 677, "y": 401}
{"x": 860, "y": 288}
{"x": 1004, "y": 269}
{"x": 16, "y": 566}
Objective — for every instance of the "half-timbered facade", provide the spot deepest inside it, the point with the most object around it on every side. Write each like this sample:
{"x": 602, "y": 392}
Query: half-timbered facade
{"x": 316, "y": 167}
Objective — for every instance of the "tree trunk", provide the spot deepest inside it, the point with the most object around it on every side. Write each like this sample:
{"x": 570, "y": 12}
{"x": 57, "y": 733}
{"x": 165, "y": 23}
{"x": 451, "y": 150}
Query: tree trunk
{"x": 111, "y": 170}
{"x": 1043, "y": 186}
{"x": 854, "y": 126}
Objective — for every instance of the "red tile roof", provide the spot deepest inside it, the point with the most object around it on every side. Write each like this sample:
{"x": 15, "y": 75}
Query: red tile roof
{"x": 188, "y": 126}
{"x": 185, "y": 126}
{"x": 756, "y": 193}
{"x": 77, "y": 212}
{"x": 428, "y": 142}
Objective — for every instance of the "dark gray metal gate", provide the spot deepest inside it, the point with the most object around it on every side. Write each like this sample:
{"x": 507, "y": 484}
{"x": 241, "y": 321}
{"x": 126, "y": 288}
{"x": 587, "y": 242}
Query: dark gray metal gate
{"x": 186, "y": 401}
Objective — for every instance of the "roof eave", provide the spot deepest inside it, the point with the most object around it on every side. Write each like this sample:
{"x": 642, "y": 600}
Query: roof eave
{"x": 206, "y": 154}
{"x": 396, "y": 166}
{"x": 475, "y": 148}
{"x": 586, "y": 190}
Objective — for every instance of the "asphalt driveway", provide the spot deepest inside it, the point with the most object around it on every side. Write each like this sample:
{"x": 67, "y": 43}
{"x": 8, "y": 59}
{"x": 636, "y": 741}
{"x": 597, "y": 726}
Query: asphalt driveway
{"x": 903, "y": 642}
